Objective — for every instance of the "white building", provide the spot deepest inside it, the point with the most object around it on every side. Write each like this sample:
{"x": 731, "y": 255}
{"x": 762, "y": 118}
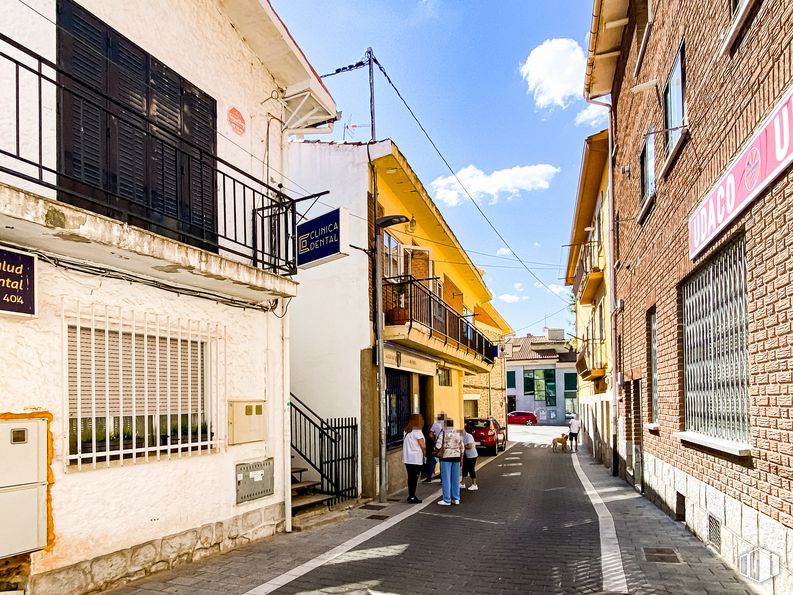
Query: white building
{"x": 141, "y": 145}
{"x": 541, "y": 376}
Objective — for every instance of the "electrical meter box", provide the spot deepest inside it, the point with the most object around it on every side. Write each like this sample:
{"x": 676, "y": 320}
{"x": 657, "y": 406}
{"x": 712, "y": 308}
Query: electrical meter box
{"x": 23, "y": 486}
{"x": 246, "y": 421}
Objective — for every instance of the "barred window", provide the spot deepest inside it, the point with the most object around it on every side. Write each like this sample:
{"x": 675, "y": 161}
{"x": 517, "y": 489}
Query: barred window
{"x": 138, "y": 385}
{"x": 716, "y": 360}
{"x": 653, "y": 339}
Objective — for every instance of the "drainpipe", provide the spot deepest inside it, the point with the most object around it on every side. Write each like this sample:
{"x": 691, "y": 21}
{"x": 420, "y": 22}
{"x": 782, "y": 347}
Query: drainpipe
{"x": 611, "y": 290}
{"x": 287, "y": 423}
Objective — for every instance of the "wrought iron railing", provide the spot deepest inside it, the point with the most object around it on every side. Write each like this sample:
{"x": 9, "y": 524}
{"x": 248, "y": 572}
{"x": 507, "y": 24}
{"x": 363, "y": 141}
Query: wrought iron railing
{"x": 329, "y": 446}
{"x": 591, "y": 358}
{"x": 589, "y": 260}
{"x": 408, "y": 301}
{"x": 239, "y": 215}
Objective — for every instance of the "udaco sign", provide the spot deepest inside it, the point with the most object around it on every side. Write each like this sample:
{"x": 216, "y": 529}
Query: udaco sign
{"x": 322, "y": 239}
{"x": 761, "y": 160}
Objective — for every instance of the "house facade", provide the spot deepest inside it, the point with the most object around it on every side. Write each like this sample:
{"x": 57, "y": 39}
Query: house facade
{"x": 430, "y": 295}
{"x": 146, "y": 251}
{"x": 588, "y": 272}
{"x": 541, "y": 376}
{"x": 702, "y": 116}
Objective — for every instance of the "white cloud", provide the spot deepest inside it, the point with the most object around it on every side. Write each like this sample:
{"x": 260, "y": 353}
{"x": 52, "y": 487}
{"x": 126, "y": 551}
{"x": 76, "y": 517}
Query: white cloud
{"x": 503, "y": 252}
{"x": 552, "y": 288}
{"x": 537, "y": 245}
{"x": 592, "y": 115}
{"x": 511, "y": 298}
{"x": 554, "y": 72}
{"x": 521, "y": 178}
{"x": 518, "y": 287}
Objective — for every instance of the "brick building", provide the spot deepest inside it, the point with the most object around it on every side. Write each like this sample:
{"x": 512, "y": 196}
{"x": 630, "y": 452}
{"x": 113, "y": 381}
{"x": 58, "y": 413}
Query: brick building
{"x": 703, "y": 228}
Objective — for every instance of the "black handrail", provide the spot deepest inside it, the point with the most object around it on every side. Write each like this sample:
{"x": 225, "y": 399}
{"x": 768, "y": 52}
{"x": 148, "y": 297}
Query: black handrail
{"x": 310, "y": 437}
{"x": 249, "y": 218}
{"x": 407, "y": 300}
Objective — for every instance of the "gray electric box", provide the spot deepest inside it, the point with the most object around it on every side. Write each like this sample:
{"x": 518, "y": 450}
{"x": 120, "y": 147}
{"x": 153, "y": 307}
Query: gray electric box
{"x": 255, "y": 480}
{"x": 23, "y": 486}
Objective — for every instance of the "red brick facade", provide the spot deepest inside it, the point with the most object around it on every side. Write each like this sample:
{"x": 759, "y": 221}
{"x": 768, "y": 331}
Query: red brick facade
{"x": 726, "y": 97}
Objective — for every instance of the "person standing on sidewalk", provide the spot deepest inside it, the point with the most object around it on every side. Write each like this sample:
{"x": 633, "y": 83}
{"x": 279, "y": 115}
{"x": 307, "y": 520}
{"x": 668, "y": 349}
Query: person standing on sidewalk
{"x": 572, "y": 437}
{"x": 449, "y": 449}
{"x": 413, "y": 449}
{"x": 435, "y": 431}
{"x": 469, "y": 461}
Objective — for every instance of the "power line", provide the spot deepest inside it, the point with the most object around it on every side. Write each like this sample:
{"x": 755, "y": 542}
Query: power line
{"x": 454, "y": 174}
{"x": 541, "y": 319}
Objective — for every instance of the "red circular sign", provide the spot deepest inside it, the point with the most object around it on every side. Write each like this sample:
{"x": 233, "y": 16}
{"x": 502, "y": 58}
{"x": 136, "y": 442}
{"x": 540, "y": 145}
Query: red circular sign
{"x": 236, "y": 121}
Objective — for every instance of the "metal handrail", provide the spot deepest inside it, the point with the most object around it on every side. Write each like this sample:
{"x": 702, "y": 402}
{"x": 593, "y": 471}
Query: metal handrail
{"x": 307, "y": 438}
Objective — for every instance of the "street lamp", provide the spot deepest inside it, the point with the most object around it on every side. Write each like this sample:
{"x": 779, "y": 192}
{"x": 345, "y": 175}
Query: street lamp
{"x": 381, "y": 223}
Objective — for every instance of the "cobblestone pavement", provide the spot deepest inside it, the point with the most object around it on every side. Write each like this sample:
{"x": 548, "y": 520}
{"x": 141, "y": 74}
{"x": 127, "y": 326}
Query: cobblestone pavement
{"x": 531, "y": 528}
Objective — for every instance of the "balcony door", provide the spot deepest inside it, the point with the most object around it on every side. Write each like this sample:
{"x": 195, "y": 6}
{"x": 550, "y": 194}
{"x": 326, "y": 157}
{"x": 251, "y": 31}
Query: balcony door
{"x": 136, "y": 140}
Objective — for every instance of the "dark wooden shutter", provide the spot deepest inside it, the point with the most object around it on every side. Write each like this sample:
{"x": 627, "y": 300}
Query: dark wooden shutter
{"x": 82, "y": 47}
{"x": 129, "y": 71}
{"x": 165, "y": 111}
{"x": 199, "y": 129}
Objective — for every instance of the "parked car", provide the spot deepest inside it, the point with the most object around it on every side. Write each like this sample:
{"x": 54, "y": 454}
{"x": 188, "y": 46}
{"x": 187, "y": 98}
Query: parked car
{"x": 488, "y": 433}
{"x": 522, "y": 418}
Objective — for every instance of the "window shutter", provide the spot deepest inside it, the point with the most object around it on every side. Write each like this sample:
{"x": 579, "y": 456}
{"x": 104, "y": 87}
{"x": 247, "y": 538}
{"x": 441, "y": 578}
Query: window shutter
{"x": 166, "y": 112}
{"x": 128, "y": 76}
{"x": 82, "y": 47}
{"x": 199, "y": 129}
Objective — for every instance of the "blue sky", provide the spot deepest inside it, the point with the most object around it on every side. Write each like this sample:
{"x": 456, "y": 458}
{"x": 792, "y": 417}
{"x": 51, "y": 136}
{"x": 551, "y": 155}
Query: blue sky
{"x": 498, "y": 87}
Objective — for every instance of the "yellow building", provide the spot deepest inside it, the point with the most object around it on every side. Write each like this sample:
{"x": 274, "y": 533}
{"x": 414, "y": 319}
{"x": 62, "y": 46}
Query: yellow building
{"x": 439, "y": 323}
{"x": 587, "y": 272}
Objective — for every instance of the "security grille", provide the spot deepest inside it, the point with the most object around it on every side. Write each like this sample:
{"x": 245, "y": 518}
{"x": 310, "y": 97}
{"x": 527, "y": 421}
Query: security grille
{"x": 714, "y": 532}
{"x": 138, "y": 385}
{"x": 715, "y": 350}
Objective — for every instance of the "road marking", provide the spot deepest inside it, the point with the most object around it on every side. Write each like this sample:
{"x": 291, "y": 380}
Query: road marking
{"x": 465, "y": 518}
{"x": 287, "y": 577}
{"x": 610, "y": 557}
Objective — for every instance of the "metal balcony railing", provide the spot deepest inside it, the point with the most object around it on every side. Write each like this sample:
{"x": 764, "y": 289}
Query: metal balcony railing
{"x": 591, "y": 360}
{"x": 589, "y": 261}
{"x": 184, "y": 191}
{"x": 408, "y": 301}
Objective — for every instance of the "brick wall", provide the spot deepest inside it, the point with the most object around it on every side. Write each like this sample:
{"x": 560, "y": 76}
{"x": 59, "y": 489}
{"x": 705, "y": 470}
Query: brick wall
{"x": 726, "y": 97}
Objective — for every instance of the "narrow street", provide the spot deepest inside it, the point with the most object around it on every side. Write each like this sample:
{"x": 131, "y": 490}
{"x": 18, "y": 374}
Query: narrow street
{"x": 533, "y": 527}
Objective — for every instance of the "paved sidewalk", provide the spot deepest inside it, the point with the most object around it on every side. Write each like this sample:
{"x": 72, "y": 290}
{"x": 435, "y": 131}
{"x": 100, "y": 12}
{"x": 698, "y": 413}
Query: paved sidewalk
{"x": 531, "y": 528}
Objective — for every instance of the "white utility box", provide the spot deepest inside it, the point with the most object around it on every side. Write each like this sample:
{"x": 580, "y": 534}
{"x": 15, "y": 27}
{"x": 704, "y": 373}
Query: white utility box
{"x": 23, "y": 486}
{"x": 246, "y": 421}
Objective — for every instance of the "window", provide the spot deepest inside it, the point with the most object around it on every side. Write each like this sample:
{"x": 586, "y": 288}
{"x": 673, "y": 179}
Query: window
{"x": 139, "y": 386}
{"x": 674, "y": 105}
{"x": 540, "y": 384}
{"x": 647, "y": 163}
{"x": 653, "y": 349}
{"x": 391, "y": 249}
{"x": 397, "y": 394}
{"x": 444, "y": 377}
{"x": 136, "y": 139}
{"x": 511, "y": 379}
{"x": 570, "y": 392}
{"x": 715, "y": 347}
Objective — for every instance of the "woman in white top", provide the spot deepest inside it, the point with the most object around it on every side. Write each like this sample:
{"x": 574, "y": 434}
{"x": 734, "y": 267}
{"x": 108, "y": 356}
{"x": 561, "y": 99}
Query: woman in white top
{"x": 413, "y": 449}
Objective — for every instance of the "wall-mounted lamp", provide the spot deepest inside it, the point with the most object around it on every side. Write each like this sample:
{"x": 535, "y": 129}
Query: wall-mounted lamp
{"x": 411, "y": 226}
{"x": 589, "y": 228}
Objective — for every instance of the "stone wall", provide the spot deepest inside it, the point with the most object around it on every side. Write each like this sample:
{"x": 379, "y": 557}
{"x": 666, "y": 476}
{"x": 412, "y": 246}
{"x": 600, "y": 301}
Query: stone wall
{"x": 120, "y": 567}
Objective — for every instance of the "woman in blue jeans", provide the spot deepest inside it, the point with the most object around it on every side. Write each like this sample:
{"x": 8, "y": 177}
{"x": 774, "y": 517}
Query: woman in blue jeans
{"x": 449, "y": 449}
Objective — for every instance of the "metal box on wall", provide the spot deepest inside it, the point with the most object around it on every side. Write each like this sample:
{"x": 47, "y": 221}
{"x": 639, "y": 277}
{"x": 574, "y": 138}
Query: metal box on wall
{"x": 255, "y": 480}
{"x": 23, "y": 486}
{"x": 246, "y": 421}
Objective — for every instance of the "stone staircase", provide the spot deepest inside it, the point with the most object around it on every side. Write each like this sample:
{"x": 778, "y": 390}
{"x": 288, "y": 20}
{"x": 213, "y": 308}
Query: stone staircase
{"x": 310, "y": 508}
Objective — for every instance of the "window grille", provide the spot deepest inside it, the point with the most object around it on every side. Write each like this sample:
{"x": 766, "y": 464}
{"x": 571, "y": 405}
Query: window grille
{"x": 653, "y": 366}
{"x": 714, "y": 532}
{"x": 139, "y": 385}
{"x": 716, "y": 358}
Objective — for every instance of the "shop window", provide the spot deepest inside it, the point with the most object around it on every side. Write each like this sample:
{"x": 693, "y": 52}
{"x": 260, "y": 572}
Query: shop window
{"x": 716, "y": 352}
{"x": 397, "y": 394}
{"x": 511, "y": 379}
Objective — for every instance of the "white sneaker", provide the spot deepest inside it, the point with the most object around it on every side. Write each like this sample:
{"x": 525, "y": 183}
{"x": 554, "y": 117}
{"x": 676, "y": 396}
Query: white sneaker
{"x": 442, "y": 503}
{"x": 473, "y": 487}
{"x": 462, "y": 486}
{"x": 455, "y": 501}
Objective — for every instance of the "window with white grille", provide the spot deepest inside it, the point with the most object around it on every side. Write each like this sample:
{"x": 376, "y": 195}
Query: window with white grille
{"x": 653, "y": 339}
{"x": 716, "y": 360}
{"x": 139, "y": 385}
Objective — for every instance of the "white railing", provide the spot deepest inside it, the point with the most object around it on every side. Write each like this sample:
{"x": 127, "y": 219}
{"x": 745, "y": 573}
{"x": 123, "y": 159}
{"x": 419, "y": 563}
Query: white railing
{"x": 138, "y": 385}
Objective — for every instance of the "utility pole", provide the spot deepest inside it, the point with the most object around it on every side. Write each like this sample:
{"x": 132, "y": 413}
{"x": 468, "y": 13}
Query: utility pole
{"x": 370, "y": 61}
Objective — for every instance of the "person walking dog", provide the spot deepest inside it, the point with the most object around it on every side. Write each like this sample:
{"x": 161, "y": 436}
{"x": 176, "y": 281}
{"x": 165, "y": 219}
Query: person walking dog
{"x": 572, "y": 437}
{"x": 413, "y": 449}
{"x": 449, "y": 449}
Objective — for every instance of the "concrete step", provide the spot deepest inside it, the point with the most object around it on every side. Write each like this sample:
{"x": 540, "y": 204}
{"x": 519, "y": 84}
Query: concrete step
{"x": 300, "y": 487}
{"x": 306, "y": 501}
{"x": 305, "y": 522}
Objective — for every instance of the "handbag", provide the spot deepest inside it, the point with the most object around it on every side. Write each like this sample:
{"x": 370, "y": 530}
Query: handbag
{"x": 438, "y": 452}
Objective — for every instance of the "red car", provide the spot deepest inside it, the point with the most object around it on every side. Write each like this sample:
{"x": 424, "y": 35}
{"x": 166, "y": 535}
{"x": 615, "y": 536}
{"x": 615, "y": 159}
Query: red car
{"x": 522, "y": 418}
{"x": 488, "y": 433}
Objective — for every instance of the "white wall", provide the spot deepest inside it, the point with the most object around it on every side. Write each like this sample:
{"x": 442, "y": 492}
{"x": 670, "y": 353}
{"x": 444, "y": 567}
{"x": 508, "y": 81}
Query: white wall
{"x": 97, "y": 511}
{"x": 330, "y": 315}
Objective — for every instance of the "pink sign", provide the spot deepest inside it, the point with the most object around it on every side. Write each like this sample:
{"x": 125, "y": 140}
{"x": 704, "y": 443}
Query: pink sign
{"x": 761, "y": 160}
{"x": 236, "y": 120}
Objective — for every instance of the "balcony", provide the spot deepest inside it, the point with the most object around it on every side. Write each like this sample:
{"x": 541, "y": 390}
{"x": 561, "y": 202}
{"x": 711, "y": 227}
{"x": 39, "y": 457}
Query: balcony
{"x": 589, "y": 272}
{"x": 417, "y": 317}
{"x": 591, "y": 361}
{"x": 144, "y": 175}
